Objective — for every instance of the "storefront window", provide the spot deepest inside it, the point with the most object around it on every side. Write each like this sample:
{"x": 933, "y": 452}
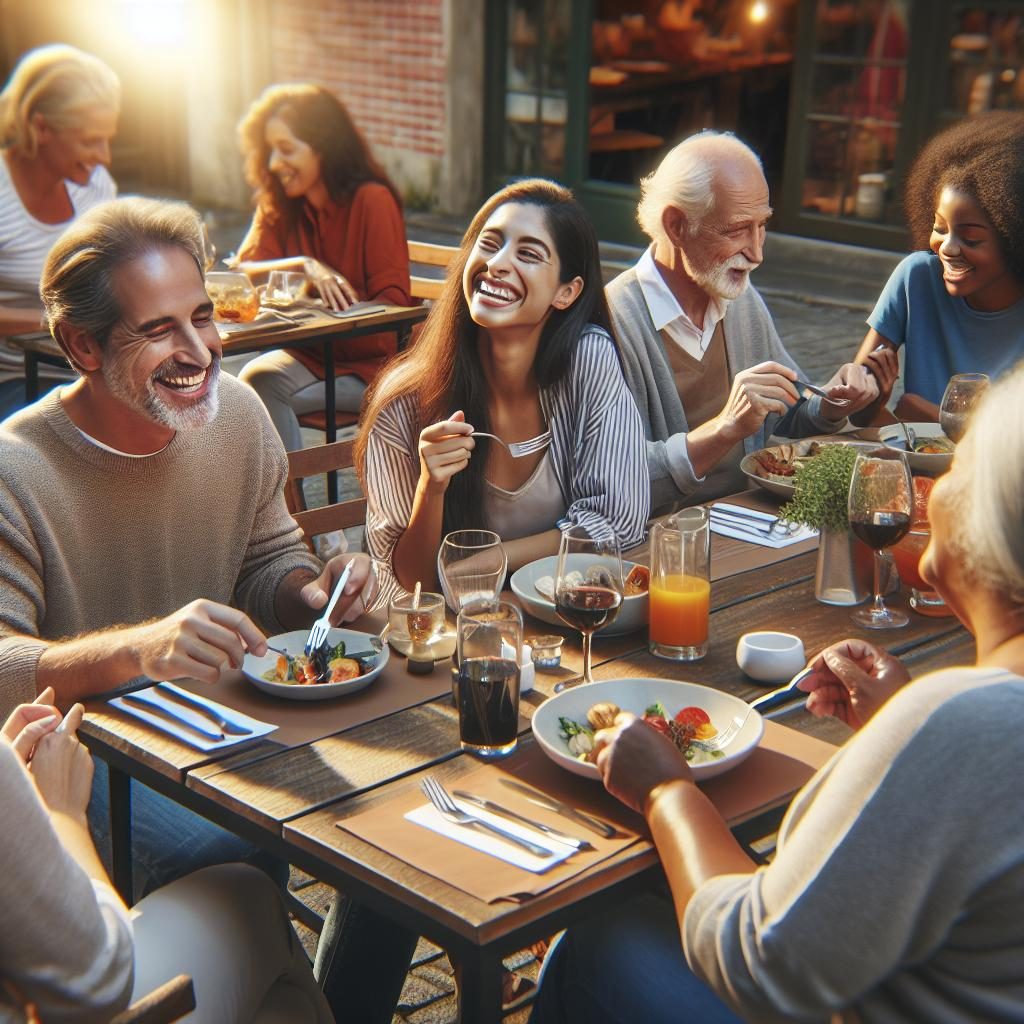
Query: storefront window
{"x": 855, "y": 110}
{"x": 663, "y": 70}
{"x": 536, "y": 107}
{"x": 986, "y": 59}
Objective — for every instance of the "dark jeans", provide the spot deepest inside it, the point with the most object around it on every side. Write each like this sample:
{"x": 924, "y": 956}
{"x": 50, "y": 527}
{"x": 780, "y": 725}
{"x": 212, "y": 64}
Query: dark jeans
{"x": 623, "y": 968}
{"x": 362, "y": 958}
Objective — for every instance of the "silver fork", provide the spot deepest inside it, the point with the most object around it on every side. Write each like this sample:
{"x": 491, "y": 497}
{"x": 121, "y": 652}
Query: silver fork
{"x": 322, "y": 626}
{"x": 820, "y": 392}
{"x": 447, "y": 808}
{"x": 723, "y": 739}
{"x": 519, "y": 449}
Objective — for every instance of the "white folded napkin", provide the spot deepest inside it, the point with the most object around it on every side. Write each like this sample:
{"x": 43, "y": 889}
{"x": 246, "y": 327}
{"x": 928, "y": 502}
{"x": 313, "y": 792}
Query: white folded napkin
{"x": 486, "y": 842}
{"x": 186, "y": 735}
{"x": 755, "y": 526}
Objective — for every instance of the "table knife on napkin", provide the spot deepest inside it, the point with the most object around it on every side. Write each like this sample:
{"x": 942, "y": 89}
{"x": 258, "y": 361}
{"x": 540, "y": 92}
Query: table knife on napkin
{"x": 566, "y": 810}
{"x": 506, "y": 812}
{"x": 160, "y": 709}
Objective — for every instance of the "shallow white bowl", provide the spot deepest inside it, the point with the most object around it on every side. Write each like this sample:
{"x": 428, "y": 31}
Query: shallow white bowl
{"x": 635, "y": 695}
{"x": 632, "y": 614}
{"x": 770, "y": 657}
{"x": 293, "y": 642}
{"x": 892, "y": 436}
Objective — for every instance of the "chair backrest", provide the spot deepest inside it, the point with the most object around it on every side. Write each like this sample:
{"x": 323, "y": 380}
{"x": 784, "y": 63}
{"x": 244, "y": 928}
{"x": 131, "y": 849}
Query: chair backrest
{"x": 321, "y": 459}
{"x": 430, "y": 254}
{"x": 170, "y": 1002}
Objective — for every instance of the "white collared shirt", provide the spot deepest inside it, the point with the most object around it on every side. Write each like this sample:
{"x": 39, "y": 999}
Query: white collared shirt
{"x": 669, "y": 316}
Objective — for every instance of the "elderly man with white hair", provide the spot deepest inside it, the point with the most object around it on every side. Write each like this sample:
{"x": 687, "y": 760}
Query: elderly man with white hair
{"x": 701, "y": 355}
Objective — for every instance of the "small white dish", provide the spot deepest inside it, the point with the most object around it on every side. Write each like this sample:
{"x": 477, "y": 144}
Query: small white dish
{"x": 932, "y": 463}
{"x": 293, "y": 642}
{"x": 770, "y": 657}
{"x": 635, "y": 695}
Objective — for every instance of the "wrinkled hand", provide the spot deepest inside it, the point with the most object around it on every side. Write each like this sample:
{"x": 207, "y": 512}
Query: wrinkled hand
{"x": 62, "y": 768}
{"x": 633, "y": 758}
{"x": 884, "y": 364}
{"x": 445, "y": 449}
{"x": 29, "y": 723}
{"x": 333, "y": 288}
{"x": 757, "y": 393}
{"x": 851, "y": 680}
{"x": 358, "y": 594}
{"x": 199, "y": 641}
{"x": 854, "y": 383}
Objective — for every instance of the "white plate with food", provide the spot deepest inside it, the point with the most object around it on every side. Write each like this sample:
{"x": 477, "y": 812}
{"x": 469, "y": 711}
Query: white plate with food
{"x": 534, "y": 585}
{"x": 933, "y": 451}
{"x": 774, "y": 468}
{"x": 334, "y": 674}
{"x": 704, "y": 710}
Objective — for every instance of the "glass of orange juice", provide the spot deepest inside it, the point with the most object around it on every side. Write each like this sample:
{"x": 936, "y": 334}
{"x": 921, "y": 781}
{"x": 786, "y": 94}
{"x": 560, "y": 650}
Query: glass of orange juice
{"x": 680, "y": 594}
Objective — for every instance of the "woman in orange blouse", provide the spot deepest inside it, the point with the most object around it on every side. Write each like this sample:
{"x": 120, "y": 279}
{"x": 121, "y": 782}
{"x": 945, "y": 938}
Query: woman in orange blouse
{"x": 324, "y": 206}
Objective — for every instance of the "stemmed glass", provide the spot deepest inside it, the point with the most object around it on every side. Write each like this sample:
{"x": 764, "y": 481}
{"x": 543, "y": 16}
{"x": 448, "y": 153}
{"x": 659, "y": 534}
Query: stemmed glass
{"x": 881, "y": 509}
{"x": 588, "y": 585}
{"x": 471, "y": 566}
{"x": 958, "y": 401}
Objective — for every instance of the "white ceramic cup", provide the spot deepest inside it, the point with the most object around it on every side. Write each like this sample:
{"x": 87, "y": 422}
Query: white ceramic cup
{"x": 770, "y": 657}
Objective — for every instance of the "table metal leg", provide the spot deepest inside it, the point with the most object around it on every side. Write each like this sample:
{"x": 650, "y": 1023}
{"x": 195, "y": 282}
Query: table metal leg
{"x": 31, "y": 377}
{"x": 330, "y": 415}
{"x": 478, "y": 977}
{"x": 119, "y": 785}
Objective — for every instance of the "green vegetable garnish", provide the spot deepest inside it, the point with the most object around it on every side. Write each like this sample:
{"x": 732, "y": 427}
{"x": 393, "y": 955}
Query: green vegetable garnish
{"x": 570, "y": 728}
{"x": 656, "y": 710}
{"x": 338, "y": 651}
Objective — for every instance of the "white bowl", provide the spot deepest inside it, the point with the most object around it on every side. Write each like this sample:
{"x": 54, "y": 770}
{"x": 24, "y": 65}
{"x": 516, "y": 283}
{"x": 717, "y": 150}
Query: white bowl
{"x": 635, "y": 695}
{"x": 632, "y": 614}
{"x": 293, "y": 642}
{"x": 785, "y": 486}
{"x": 892, "y": 436}
{"x": 770, "y": 657}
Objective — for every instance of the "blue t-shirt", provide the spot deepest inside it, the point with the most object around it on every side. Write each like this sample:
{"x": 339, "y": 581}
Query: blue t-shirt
{"x": 942, "y": 334}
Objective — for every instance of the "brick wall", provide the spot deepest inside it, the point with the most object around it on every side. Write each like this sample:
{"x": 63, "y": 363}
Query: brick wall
{"x": 386, "y": 60}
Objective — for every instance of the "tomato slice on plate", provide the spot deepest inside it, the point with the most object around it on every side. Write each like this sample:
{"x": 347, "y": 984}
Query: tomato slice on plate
{"x": 693, "y": 716}
{"x": 657, "y": 723}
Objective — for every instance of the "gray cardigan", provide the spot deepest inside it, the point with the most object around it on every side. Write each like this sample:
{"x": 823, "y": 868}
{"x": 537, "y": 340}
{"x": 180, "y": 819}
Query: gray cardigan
{"x": 750, "y": 338}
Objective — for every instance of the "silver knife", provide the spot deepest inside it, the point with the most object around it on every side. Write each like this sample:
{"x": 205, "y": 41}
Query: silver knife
{"x": 225, "y": 723}
{"x": 566, "y": 810}
{"x": 148, "y": 704}
{"x": 505, "y": 812}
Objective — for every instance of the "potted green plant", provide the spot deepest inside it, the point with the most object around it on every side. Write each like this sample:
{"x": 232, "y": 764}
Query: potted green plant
{"x": 821, "y": 490}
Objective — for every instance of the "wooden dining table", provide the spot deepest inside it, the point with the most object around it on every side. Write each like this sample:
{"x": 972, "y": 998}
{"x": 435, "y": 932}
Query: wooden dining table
{"x": 290, "y": 799}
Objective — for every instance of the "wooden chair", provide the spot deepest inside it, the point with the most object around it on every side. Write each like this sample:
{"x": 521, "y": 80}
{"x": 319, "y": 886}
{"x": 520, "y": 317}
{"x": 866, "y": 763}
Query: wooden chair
{"x": 423, "y": 287}
{"x": 316, "y": 461}
{"x": 170, "y": 1002}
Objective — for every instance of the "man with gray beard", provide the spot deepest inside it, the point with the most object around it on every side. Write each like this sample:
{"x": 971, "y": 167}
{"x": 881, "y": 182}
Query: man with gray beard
{"x": 699, "y": 350}
{"x": 143, "y": 528}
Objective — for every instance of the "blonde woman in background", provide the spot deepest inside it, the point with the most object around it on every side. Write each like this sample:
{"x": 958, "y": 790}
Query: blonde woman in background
{"x": 58, "y": 114}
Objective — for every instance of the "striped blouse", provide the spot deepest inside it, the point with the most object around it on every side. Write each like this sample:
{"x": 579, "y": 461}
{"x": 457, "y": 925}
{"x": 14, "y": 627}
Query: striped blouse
{"x": 597, "y": 449}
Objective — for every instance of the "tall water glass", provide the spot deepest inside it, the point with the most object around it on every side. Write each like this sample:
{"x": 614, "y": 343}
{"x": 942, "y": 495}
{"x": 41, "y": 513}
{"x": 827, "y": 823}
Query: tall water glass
{"x": 471, "y": 566}
{"x": 958, "y": 401}
{"x": 680, "y": 594}
{"x": 486, "y": 685}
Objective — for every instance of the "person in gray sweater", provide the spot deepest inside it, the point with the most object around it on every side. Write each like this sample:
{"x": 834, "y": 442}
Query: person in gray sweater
{"x": 897, "y": 890}
{"x": 699, "y": 350}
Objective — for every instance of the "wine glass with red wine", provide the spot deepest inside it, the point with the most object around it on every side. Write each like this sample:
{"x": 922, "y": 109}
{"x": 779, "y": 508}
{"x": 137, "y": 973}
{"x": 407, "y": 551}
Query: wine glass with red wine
{"x": 881, "y": 509}
{"x": 588, "y": 585}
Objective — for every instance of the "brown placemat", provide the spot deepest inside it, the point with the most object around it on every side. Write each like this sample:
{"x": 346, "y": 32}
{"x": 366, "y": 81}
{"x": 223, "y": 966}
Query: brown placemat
{"x": 304, "y": 721}
{"x": 781, "y": 765}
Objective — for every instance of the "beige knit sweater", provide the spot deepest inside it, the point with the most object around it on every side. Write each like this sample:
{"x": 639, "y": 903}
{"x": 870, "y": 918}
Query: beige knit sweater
{"x": 90, "y": 539}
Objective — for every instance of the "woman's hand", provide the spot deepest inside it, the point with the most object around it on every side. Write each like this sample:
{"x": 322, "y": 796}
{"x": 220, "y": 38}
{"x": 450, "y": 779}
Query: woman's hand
{"x": 62, "y": 768}
{"x": 29, "y": 723}
{"x": 336, "y": 292}
{"x": 445, "y": 449}
{"x": 635, "y": 759}
{"x": 884, "y": 364}
{"x": 851, "y": 680}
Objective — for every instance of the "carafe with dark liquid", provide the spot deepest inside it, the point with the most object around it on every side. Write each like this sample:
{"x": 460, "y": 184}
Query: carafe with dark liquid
{"x": 487, "y": 698}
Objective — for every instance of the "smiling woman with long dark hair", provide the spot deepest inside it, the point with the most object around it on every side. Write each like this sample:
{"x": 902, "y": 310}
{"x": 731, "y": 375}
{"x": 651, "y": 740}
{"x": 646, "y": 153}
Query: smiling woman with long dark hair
{"x": 326, "y": 208}
{"x": 519, "y": 343}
